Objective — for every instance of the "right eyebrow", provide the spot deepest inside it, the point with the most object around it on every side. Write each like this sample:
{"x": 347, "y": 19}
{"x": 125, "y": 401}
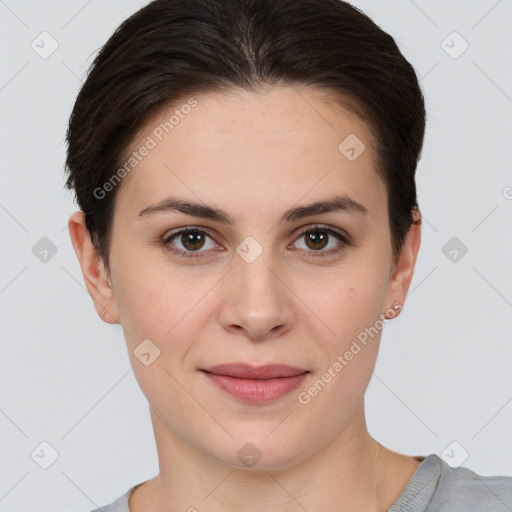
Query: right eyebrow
{"x": 338, "y": 203}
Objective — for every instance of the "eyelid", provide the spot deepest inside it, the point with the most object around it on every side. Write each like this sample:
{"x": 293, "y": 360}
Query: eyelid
{"x": 173, "y": 232}
{"x": 169, "y": 236}
{"x": 343, "y": 237}
{"x": 331, "y": 229}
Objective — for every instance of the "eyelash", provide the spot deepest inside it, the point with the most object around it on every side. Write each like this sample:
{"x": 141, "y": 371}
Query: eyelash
{"x": 344, "y": 241}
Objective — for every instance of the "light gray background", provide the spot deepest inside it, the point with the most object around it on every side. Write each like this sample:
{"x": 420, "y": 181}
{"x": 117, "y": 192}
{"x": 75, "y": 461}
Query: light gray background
{"x": 443, "y": 373}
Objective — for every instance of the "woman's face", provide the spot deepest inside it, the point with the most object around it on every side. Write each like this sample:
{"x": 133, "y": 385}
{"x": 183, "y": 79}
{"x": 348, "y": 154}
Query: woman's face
{"x": 254, "y": 290}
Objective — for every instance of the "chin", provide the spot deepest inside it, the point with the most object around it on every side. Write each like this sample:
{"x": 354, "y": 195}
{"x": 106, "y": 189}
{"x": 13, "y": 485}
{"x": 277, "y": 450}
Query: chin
{"x": 254, "y": 451}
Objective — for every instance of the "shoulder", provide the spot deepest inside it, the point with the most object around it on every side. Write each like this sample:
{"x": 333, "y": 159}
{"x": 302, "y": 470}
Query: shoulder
{"x": 120, "y": 504}
{"x": 462, "y": 489}
{"x": 437, "y": 487}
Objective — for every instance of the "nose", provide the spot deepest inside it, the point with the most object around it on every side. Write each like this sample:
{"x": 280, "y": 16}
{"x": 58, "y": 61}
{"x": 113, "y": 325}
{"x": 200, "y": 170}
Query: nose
{"x": 256, "y": 299}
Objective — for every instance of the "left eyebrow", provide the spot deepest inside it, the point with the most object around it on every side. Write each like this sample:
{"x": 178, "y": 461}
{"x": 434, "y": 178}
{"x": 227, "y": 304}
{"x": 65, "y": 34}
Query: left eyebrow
{"x": 337, "y": 203}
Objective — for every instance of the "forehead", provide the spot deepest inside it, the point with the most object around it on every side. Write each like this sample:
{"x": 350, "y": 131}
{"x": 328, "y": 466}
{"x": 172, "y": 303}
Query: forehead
{"x": 283, "y": 142}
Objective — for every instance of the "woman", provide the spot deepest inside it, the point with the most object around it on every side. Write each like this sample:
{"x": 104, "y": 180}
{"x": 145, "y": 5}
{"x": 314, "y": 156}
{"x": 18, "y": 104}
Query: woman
{"x": 248, "y": 214}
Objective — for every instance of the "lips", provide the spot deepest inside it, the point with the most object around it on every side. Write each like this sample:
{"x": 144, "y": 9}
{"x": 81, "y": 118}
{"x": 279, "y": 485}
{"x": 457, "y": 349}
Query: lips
{"x": 256, "y": 384}
{"x": 247, "y": 371}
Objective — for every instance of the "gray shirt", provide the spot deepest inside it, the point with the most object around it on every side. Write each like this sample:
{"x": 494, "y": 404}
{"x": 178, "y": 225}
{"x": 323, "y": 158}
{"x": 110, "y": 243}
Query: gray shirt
{"x": 434, "y": 487}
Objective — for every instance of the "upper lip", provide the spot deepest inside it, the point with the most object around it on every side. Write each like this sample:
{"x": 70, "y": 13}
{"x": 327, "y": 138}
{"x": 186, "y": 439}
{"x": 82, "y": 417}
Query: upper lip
{"x": 247, "y": 371}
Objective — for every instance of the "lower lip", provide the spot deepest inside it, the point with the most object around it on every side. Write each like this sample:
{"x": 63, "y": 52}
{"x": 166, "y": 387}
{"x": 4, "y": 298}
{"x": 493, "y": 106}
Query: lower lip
{"x": 257, "y": 391}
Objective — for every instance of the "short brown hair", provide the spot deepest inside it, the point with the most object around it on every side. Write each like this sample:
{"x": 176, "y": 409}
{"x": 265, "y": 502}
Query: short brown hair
{"x": 171, "y": 49}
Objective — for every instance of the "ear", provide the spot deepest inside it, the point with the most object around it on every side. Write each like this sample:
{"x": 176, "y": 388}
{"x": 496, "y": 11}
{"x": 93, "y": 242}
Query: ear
{"x": 96, "y": 277}
{"x": 401, "y": 276}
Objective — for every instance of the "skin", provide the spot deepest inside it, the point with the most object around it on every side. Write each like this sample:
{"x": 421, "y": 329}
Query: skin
{"x": 255, "y": 155}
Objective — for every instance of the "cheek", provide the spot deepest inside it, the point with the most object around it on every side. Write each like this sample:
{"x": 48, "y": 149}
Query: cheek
{"x": 142, "y": 292}
{"x": 354, "y": 314}
{"x": 160, "y": 303}
{"x": 349, "y": 301}
{"x": 360, "y": 324}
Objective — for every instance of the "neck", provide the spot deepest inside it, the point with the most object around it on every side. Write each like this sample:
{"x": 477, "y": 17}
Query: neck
{"x": 343, "y": 476}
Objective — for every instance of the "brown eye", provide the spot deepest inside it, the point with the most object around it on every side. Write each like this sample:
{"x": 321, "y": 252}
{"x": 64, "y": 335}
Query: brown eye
{"x": 316, "y": 239}
{"x": 192, "y": 240}
{"x": 188, "y": 241}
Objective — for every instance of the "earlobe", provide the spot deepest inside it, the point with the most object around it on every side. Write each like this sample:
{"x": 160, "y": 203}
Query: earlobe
{"x": 404, "y": 269}
{"x": 96, "y": 277}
